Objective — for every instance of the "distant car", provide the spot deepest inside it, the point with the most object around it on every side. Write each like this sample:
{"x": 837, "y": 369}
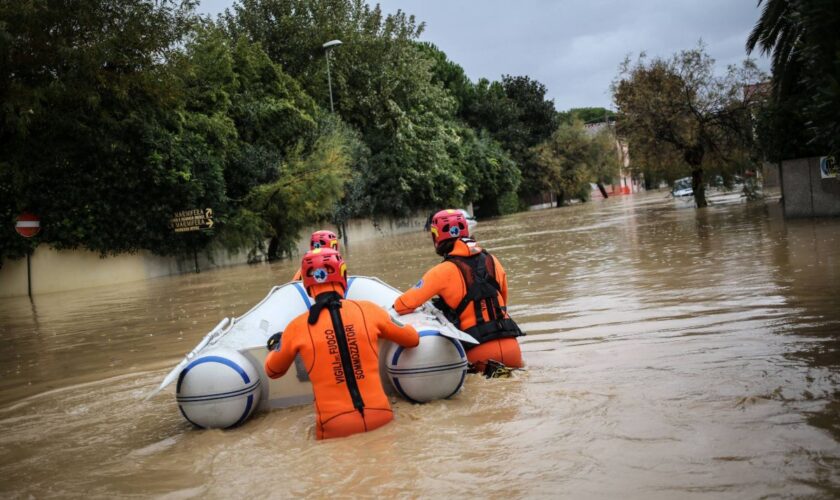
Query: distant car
{"x": 719, "y": 181}
{"x": 471, "y": 222}
{"x": 682, "y": 187}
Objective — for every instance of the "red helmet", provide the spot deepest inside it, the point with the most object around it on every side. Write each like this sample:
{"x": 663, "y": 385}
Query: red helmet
{"x": 323, "y": 239}
{"x": 323, "y": 265}
{"x": 448, "y": 224}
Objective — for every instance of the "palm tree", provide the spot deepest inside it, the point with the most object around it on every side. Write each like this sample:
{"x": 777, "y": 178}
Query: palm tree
{"x": 803, "y": 39}
{"x": 779, "y": 32}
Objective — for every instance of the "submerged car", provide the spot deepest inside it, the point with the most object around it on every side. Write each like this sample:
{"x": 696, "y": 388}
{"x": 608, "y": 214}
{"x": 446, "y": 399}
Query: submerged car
{"x": 682, "y": 187}
{"x": 471, "y": 222}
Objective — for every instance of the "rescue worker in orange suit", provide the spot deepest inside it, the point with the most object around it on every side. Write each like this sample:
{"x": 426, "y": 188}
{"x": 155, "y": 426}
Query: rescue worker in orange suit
{"x": 472, "y": 288}
{"x": 337, "y": 340}
{"x": 320, "y": 239}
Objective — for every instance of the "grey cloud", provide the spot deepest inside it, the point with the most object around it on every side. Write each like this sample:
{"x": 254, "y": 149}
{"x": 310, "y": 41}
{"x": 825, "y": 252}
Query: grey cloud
{"x": 573, "y": 47}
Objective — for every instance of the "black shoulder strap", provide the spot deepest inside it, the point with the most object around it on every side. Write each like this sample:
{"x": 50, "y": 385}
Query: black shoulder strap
{"x": 490, "y": 277}
{"x": 481, "y": 285}
{"x": 321, "y": 301}
{"x": 332, "y": 302}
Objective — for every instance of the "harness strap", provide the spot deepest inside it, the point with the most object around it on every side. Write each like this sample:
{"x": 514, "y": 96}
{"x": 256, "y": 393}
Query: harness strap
{"x": 493, "y": 330}
{"x": 483, "y": 286}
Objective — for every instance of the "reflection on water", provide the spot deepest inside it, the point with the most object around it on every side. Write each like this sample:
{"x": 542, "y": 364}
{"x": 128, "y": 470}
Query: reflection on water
{"x": 671, "y": 352}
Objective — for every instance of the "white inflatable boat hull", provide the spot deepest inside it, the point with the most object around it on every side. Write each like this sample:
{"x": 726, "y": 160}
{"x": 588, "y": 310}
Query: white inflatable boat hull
{"x": 216, "y": 402}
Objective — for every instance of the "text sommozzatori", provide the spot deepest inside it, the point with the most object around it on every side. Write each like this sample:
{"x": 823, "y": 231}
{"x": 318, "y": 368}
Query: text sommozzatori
{"x": 355, "y": 359}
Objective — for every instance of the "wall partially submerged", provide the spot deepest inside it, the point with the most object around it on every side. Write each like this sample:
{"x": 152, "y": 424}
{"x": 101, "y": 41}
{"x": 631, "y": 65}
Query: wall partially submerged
{"x": 59, "y": 270}
{"x": 805, "y": 193}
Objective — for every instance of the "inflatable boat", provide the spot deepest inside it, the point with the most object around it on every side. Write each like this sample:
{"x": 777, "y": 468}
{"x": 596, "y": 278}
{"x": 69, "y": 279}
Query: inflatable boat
{"x": 221, "y": 382}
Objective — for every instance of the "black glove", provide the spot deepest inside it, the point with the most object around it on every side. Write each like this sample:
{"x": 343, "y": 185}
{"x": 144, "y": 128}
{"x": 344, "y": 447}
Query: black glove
{"x": 273, "y": 343}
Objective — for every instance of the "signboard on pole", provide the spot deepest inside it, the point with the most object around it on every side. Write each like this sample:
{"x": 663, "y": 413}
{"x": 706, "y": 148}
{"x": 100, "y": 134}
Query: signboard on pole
{"x": 829, "y": 168}
{"x": 27, "y": 225}
{"x": 192, "y": 220}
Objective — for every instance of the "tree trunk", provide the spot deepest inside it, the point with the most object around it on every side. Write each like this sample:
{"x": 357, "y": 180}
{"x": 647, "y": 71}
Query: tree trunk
{"x": 273, "y": 247}
{"x": 603, "y": 190}
{"x": 699, "y": 187}
{"x": 560, "y": 198}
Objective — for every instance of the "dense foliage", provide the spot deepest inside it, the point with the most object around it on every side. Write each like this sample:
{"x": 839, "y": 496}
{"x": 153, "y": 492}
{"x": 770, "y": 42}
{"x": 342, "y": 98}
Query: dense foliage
{"x": 586, "y": 115}
{"x": 119, "y": 113}
{"x": 516, "y": 113}
{"x": 88, "y": 139}
{"x": 803, "y": 38}
{"x": 572, "y": 158}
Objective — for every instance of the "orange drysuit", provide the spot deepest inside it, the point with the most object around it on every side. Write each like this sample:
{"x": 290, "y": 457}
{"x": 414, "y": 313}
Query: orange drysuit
{"x": 297, "y": 276}
{"x": 343, "y": 366}
{"x": 495, "y": 331}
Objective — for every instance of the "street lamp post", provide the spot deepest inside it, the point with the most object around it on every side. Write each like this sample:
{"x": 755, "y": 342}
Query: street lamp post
{"x": 327, "y": 46}
{"x": 342, "y": 230}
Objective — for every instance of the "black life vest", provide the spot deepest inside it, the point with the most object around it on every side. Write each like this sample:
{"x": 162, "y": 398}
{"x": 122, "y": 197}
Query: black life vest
{"x": 483, "y": 291}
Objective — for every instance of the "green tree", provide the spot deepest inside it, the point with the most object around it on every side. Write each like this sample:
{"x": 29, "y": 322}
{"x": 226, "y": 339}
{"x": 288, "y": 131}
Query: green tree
{"x": 803, "y": 39}
{"x": 308, "y": 187}
{"x": 271, "y": 113}
{"x": 604, "y": 158}
{"x": 683, "y": 107}
{"x": 87, "y": 106}
{"x": 491, "y": 176}
{"x": 572, "y": 158}
{"x": 449, "y": 75}
{"x": 200, "y": 135}
{"x": 278, "y": 139}
{"x": 383, "y": 86}
{"x": 565, "y": 161}
{"x": 118, "y": 113}
{"x": 585, "y": 115}
{"x": 516, "y": 113}
{"x": 656, "y": 161}
{"x": 487, "y": 107}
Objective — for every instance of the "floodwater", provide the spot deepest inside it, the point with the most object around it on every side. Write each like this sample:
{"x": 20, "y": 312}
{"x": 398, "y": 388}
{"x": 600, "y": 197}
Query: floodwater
{"x": 672, "y": 353}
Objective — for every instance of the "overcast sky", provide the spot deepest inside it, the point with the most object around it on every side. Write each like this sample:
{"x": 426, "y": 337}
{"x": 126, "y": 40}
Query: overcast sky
{"x": 574, "y": 47}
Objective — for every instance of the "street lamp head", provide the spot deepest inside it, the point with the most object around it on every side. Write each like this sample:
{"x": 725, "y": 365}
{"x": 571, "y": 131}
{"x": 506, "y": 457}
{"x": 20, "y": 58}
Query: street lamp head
{"x": 331, "y": 44}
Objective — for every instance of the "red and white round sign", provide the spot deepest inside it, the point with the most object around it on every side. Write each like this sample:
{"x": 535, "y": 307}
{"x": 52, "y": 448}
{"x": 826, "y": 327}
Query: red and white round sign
{"x": 28, "y": 225}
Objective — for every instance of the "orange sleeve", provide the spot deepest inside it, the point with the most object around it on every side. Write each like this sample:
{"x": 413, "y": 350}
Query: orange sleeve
{"x": 431, "y": 284}
{"x": 277, "y": 362}
{"x": 297, "y": 276}
{"x": 502, "y": 279}
{"x": 391, "y": 329}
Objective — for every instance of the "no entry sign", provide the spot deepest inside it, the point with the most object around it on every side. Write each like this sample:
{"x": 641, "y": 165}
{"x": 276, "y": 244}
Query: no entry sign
{"x": 28, "y": 225}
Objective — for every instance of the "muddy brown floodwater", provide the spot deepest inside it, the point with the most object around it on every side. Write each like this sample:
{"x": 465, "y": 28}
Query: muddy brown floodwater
{"x": 671, "y": 353}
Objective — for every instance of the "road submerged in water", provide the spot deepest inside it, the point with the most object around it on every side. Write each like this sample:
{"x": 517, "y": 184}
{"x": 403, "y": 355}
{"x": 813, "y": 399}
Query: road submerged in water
{"x": 672, "y": 352}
